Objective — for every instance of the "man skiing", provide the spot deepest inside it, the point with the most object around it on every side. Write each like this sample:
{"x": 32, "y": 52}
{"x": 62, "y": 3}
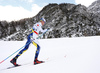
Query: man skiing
{"x": 32, "y": 38}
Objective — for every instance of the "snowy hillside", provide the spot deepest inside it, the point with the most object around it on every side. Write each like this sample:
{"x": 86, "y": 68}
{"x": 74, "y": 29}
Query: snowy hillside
{"x": 62, "y": 55}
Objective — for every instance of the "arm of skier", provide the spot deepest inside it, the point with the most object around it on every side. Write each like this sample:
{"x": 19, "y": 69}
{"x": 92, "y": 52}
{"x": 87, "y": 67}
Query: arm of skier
{"x": 43, "y": 30}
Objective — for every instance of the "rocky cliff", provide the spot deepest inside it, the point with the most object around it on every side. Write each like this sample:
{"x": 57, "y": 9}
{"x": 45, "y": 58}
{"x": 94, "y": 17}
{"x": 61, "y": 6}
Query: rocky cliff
{"x": 66, "y": 20}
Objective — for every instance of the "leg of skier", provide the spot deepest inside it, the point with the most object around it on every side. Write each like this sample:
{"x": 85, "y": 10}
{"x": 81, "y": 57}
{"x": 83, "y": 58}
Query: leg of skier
{"x": 36, "y": 61}
{"x": 13, "y": 61}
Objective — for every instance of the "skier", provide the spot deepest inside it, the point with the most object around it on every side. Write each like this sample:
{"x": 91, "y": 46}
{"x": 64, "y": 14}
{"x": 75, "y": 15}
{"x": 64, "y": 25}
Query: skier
{"x": 32, "y": 38}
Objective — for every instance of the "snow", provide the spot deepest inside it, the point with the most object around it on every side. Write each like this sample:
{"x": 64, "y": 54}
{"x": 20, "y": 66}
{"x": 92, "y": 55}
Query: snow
{"x": 62, "y": 55}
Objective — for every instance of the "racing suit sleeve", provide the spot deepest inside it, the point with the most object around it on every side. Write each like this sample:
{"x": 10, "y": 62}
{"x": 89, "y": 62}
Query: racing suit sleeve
{"x": 43, "y": 30}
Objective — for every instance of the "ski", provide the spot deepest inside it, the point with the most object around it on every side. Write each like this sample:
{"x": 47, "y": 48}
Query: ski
{"x": 22, "y": 65}
{"x": 39, "y": 63}
{"x": 13, "y": 67}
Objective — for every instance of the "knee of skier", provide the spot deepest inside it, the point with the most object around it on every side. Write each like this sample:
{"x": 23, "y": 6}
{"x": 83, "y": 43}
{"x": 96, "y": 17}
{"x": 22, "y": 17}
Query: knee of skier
{"x": 38, "y": 47}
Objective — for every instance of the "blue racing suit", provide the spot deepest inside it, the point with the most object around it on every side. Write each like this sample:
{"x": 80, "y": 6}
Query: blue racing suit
{"x": 32, "y": 38}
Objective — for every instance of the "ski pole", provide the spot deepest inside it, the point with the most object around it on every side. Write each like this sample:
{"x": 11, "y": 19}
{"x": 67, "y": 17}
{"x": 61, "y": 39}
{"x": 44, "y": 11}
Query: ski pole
{"x": 42, "y": 34}
{"x": 14, "y": 53}
{"x": 22, "y": 47}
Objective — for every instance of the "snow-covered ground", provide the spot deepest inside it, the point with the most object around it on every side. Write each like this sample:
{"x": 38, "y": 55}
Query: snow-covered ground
{"x": 63, "y": 55}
